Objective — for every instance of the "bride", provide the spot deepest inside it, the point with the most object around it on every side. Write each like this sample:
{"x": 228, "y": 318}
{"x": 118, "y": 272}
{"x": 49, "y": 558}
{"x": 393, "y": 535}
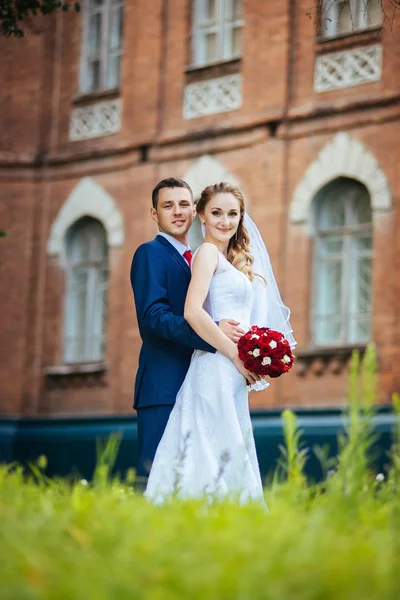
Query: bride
{"x": 208, "y": 448}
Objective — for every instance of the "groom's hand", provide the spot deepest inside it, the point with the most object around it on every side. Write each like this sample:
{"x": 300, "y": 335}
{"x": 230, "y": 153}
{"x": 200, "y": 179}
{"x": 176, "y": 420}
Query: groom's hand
{"x": 231, "y": 329}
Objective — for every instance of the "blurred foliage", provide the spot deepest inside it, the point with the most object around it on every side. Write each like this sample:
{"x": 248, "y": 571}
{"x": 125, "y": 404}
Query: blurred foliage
{"x": 13, "y": 12}
{"x": 98, "y": 540}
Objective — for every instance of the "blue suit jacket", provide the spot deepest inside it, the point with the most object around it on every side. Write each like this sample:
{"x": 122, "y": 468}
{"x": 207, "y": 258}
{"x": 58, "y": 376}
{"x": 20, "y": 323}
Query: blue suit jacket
{"x": 160, "y": 279}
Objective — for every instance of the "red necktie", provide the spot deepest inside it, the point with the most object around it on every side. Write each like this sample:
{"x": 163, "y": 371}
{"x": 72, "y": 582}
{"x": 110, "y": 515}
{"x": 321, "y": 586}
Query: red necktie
{"x": 188, "y": 256}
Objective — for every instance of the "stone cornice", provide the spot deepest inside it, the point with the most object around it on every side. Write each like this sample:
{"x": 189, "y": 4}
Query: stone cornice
{"x": 309, "y": 118}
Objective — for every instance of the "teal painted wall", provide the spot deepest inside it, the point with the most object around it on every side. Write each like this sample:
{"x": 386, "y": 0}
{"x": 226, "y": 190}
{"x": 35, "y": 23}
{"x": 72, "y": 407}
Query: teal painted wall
{"x": 70, "y": 444}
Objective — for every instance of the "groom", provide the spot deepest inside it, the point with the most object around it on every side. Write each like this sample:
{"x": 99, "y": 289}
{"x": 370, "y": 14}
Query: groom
{"x": 160, "y": 277}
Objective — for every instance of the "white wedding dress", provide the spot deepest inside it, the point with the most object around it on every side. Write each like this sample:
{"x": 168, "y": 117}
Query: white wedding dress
{"x": 208, "y": 446}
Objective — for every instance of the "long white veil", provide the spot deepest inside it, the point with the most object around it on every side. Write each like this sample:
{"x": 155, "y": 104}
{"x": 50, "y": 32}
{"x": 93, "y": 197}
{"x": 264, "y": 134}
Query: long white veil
{"x": 268, "y": 307}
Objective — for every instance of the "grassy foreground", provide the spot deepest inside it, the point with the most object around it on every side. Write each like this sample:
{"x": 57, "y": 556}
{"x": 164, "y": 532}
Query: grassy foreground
{"x": 336, "y": 540}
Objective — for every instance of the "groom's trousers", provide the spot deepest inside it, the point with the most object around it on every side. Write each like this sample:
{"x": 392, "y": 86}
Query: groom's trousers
{"x": 152, "y": 421}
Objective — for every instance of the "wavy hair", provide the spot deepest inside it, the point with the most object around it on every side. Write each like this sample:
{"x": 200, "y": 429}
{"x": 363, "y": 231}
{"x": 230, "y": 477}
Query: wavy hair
{"x": 238, "y": 248}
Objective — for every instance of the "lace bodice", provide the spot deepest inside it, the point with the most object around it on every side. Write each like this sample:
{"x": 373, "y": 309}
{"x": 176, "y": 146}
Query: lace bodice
{"x": 230, "y": 294}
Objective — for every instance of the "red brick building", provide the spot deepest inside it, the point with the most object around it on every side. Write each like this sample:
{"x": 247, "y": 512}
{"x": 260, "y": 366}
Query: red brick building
{"x": 301, "y": 110}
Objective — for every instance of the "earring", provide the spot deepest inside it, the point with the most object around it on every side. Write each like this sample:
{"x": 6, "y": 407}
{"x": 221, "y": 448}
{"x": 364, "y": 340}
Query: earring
{"x": 203, "y": 230}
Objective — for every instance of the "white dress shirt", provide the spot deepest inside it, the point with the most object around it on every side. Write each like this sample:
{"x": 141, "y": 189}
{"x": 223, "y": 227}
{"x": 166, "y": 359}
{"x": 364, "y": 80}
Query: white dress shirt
{"x": 175, "y": 243}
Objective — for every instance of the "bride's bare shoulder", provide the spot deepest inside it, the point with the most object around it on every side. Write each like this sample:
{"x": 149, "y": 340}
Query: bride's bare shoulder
{"x": 206, "y": 253}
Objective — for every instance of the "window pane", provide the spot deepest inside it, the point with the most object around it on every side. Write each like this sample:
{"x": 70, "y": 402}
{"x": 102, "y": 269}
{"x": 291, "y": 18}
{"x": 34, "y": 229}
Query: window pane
{"x": 76, "y": 316}
{"x": 114, "y": 70}
{"x": 86, "y": 242}
{"x": 343, "y": 202}
{"x": 99, "y": 315}
{"x": 362, "y": 213}
{"x": 370, "y": 13}
{"x": 327, "y": 330}
{"x": 211, "y": 10}
{"x": 331, "y": 247}
{"x": 211, "y": 47}
{"x": 116, "y": 24}
{"x": 93, "y": 75}
{"x": 79, "y": 247}
{"x": 236, "y": 41}
{"x": 236, "y": 9}
{"x": 347, "y": 20}
{"x": 336, "y": 17}
{"x": 327, "y": 324}
{"x": 362, "y": 244}
{"x": 94, "y": 40}
{"x": 332, "y": 212}
{"x": 360, "y": 290}
{"x": 98, "y": 242}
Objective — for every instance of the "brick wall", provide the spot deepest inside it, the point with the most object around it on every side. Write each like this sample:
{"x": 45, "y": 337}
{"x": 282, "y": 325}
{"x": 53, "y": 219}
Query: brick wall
{"x": 267, "y": 144}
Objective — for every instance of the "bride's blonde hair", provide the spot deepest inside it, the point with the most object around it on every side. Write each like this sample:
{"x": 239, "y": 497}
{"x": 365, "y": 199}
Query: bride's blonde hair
{"x": 238, "y": 247}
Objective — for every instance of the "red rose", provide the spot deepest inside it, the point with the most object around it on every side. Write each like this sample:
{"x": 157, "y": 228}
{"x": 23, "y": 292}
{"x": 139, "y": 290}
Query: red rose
{"x": 264, "y": 341}
{"x": 275, "y": 335}
{"x": 265, "y": 351}
{"x": 242, "y": 354}
{"x": 278, "y": 352}
{"x": 251, "y": 364}
{"x": 241, "y": 342}
{"x": 275, "y": 368}
{"x": 248, "y": 345}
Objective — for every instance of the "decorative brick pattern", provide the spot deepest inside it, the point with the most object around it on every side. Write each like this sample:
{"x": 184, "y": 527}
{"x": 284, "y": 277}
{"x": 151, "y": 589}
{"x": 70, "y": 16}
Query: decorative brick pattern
{"x": 347, "y": 68}
{"x": 95, "y": 120}
{"x": 212, "y": 96}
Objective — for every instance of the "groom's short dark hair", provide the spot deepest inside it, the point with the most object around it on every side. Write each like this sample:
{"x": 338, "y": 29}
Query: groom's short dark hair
{"x": 170, "y": 182}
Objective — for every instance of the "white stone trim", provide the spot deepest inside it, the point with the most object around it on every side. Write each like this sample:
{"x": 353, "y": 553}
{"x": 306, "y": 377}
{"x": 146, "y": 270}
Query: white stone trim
{"x": 347, "y": 68}
{"x": 89, "y": 199}
{"x": 212, "y": 96}
{"x": 95, "y": 120}
{"x": 342, "y": 157}
{"x": 205, "y": 171}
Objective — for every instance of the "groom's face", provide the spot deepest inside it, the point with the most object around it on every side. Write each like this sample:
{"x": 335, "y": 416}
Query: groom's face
{"x": 175, "y": 211}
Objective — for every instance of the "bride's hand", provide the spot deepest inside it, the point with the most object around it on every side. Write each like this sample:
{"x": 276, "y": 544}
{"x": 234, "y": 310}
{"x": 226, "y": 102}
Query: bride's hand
{"x": 250, "y": 377}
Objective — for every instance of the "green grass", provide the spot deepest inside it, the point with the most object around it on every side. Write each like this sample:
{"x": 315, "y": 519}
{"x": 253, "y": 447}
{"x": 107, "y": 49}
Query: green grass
{"x": 339, "y": 539}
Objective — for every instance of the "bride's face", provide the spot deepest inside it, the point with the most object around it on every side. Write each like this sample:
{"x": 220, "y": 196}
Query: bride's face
{"x": 221, "y": 217}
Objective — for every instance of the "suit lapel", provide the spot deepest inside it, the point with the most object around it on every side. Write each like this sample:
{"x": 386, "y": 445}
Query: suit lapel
{"x": 174, "y": 253}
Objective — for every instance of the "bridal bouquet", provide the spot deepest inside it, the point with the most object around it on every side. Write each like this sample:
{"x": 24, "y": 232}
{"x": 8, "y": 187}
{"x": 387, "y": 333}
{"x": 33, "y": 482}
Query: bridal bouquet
{"x": 265, "y": 352}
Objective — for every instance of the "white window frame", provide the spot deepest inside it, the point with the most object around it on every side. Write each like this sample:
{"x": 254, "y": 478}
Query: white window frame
{"x": 221, "y": 25}
{"x": 349, "y": 281}
{"x": 106, "y": 52}
{"x": 92, "y": 339}
{"x": 330, "y": 10}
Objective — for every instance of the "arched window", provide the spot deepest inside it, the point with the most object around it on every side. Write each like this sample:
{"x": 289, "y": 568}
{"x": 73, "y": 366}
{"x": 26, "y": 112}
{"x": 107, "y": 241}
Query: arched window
{"x": 343, "y": 264}
{"x": 87, "y": 283}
